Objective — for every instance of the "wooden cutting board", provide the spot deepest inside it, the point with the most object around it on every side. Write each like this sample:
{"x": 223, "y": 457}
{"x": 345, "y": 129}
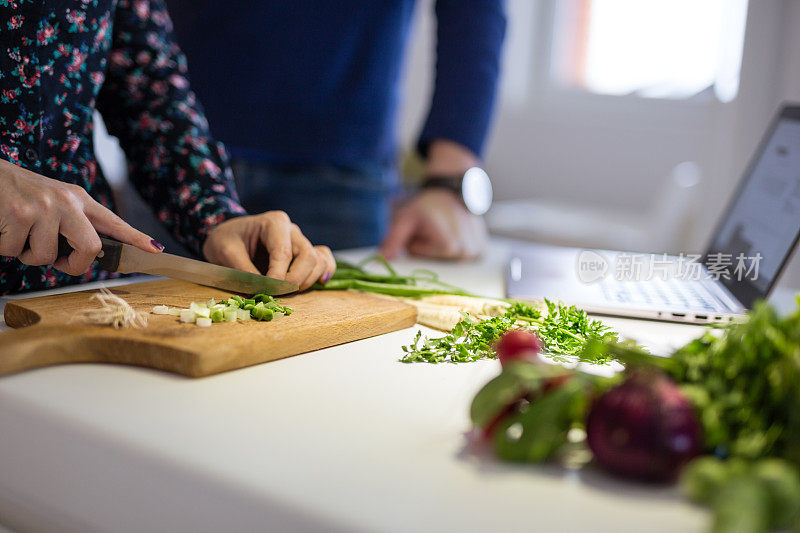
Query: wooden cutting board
{"x": 49, "y": 336}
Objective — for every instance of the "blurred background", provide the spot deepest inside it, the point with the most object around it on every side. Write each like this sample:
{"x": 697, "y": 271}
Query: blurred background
{"x": 621, "y": 123}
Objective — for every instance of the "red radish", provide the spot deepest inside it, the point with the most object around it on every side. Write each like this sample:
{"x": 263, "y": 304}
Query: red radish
{"x": 488, "y": 431}
{"x": 644, "y": 428}
{"x": 548, "y": 385}
{"x": 523, "y": 346}
{"x": 555, "y": 382}
{"x": 518, "y": 345}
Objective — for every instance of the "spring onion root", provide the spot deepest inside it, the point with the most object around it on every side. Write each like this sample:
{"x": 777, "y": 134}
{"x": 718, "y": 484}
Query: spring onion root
{"x": 113, "y": 311}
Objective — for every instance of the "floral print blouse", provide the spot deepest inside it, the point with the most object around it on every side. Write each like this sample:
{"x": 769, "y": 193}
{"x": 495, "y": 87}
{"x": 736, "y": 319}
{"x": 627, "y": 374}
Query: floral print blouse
{"x": 59, "y": 61}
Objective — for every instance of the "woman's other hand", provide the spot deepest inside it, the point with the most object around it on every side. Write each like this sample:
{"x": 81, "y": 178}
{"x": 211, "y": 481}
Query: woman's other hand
{"x": 235, "y": 243}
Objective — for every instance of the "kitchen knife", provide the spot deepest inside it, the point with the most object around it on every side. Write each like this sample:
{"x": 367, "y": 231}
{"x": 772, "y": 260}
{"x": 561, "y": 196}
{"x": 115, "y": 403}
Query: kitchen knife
{"x": 118, "y": 257}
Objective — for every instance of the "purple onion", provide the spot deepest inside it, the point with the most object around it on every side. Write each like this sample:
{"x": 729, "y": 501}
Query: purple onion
{"x": 644, "y": 428}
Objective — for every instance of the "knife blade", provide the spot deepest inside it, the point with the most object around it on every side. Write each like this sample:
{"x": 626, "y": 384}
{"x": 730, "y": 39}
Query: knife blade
{"x": 124, "y": 258}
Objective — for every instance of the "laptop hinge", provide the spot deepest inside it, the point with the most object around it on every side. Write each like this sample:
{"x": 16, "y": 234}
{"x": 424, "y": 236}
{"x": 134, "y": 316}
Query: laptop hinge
{"x": 721, "y": 293}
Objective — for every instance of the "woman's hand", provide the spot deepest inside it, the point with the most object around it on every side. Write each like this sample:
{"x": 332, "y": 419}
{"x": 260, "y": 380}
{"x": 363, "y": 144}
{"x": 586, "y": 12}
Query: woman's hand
{"x": 34, "y": 210}
{"x": 235, "y": 243}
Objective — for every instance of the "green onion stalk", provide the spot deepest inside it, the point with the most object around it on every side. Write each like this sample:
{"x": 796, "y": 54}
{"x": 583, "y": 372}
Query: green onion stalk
{"x": 421, "y": 282}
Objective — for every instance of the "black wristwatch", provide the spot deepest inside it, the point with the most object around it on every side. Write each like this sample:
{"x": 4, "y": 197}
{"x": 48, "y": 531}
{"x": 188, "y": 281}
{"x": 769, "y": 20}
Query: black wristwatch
{"x": 473, "y": 187}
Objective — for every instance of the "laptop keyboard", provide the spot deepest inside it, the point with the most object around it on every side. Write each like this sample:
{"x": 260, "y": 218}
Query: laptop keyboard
{"x": 670, "y": 293}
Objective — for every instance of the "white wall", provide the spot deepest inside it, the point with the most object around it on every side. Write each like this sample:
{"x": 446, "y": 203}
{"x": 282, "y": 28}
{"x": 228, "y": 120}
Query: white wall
{"x": 570, "y": 145}
{"x": 566, "y": 145}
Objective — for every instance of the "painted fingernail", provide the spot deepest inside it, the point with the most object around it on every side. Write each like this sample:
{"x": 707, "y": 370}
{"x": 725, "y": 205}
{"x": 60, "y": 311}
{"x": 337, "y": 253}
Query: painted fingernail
{"x": 157, "y": 245}
{"x": 326, "y": 278}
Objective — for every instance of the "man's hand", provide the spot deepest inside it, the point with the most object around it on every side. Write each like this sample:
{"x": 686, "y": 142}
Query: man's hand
{"x": 34, "y": 210}
{"x": 234, "y": 243}
{"x": 435, "y": 224}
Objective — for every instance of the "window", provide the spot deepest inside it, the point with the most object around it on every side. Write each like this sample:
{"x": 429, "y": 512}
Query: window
{"x": 651, "y": 48}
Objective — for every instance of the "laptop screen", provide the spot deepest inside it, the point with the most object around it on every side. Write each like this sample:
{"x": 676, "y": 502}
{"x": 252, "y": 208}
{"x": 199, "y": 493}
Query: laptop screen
{"x": 762, "y": 225}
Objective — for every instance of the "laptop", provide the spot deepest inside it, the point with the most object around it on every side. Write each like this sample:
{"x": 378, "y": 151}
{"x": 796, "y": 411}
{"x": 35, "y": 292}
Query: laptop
{"x": 749, "y": 249}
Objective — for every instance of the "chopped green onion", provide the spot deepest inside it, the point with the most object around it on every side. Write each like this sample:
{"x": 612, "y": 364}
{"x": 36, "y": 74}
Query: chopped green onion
{"x": 200, "y": 310}
{"x": 261, "y": 307}
{"x": 203, "y": 322}
{"x": 188, "y": 316}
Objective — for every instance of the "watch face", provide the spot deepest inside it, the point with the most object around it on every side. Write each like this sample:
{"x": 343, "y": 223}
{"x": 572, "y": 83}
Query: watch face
{"x": 476, "y": 189}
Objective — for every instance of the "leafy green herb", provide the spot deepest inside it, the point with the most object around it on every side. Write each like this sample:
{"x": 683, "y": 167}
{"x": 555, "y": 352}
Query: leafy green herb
{"x": 744, "y": 385}
{"x": 541, "y": 426}
{"x": 563, "y": 330}
{"x": 743, "y": 382}
{"x": 745, "y": 495}
{"x": 528, "y": 409}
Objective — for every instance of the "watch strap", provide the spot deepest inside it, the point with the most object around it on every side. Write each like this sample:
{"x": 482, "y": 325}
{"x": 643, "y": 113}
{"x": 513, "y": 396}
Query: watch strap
{"x": 473, "y": 188}
{"x": 451, "y": 183}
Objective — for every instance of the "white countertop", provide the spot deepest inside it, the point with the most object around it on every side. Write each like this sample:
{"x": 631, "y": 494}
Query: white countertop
{"x": 342, "y": 439}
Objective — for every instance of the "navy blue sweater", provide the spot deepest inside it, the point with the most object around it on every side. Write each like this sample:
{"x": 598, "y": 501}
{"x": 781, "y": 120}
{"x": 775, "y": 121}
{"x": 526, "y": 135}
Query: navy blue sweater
{"x": 316, "y": 81}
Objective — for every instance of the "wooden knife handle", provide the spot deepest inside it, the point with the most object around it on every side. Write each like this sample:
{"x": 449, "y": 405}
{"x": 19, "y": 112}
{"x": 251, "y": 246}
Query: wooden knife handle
{"x": 38, "y": 346}
{"x": 107, "y": 259}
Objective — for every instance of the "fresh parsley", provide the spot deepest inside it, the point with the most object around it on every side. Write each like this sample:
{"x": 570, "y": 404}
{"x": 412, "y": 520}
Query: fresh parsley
{"x": 564, "y": 331}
